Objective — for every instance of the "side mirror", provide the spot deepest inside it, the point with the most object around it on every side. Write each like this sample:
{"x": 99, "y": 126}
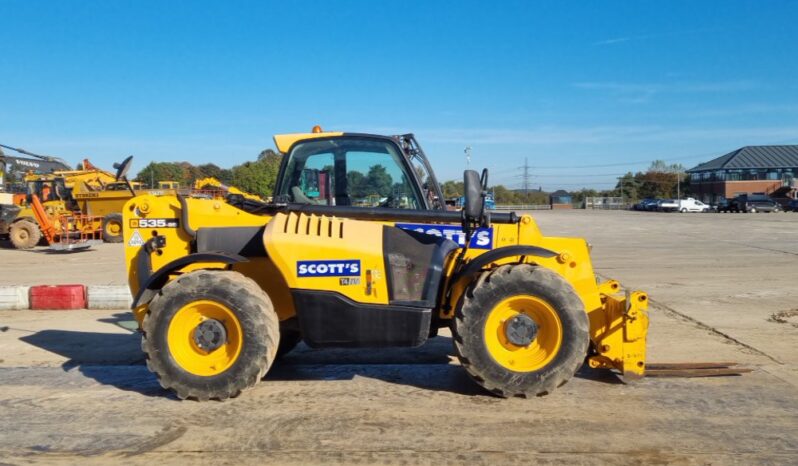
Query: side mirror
{"x": 474, "y": 199}
{"x": 121, "y": 173}
{"x": 122, "y": 168}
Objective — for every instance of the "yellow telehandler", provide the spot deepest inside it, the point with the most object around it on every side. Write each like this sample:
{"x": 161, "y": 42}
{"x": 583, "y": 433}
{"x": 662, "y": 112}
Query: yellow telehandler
{"x": 367, "y": 257}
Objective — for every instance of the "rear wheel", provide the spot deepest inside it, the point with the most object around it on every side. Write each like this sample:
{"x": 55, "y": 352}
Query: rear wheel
{"x": 112, "y": 228}
{"x": 24, "y": 234}
{"x": 210, "y": 335}
{"x": 521, "y": 330}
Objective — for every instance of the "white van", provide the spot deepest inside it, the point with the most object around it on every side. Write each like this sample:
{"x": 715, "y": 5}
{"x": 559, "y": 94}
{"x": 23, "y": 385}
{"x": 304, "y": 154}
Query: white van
{"x": 691, "y": 205}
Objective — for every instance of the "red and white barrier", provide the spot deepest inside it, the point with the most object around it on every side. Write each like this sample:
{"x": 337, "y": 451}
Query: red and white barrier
{"x": 64, "y": 297}
{"x": 58, "y": 297}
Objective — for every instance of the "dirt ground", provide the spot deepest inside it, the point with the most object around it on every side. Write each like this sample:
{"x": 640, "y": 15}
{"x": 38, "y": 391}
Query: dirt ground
{"x": 73, "y": 387}
{"x": 103, "y": 264}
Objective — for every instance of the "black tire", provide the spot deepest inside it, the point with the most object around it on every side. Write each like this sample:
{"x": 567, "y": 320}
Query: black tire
{"x": 24, "y": 234}
{"x": 520, "y": 280}
{"x": 111, "y": 235}
{"x": 257, "y": 319}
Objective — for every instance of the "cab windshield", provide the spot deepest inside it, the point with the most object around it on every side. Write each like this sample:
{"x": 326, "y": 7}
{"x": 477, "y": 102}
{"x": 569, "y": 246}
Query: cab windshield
{"x": 350, "y": 171}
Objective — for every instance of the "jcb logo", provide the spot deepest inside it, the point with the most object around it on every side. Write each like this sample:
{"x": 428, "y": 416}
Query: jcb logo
{"x": 154, "y": 223}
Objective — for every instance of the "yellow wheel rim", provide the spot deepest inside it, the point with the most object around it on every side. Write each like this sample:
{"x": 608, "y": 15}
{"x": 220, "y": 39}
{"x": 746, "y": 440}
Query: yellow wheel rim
{"x": 113, "y": 228}
{"x": 182, "y": 342}
{"x": 542, "y": 348}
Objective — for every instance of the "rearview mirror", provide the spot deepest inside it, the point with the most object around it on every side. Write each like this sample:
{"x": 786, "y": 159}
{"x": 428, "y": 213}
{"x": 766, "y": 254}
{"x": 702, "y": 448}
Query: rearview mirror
{"x": 474, "y": 199}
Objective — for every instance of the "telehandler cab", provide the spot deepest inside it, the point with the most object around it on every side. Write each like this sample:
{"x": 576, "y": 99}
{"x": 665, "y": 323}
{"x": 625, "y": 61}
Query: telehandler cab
{"x": 366, "y": 257}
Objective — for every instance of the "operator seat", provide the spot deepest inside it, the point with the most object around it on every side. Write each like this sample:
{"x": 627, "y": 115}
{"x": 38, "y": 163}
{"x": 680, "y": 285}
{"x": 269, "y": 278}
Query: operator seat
{"x": 301, "y": 198}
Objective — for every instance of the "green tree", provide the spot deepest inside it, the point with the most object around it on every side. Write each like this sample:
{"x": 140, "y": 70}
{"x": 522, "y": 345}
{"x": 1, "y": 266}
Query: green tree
{"x": 452, "y": 189}
{"x": 578, "y": 197}
{"x": 258, "y": 177}
{"x": 210, "y": 170}
{"x": 356, "y": 184}
{"x": 163, "y": 171}
{"x": 378, "y": 181}
{"x": 628, "y": 187}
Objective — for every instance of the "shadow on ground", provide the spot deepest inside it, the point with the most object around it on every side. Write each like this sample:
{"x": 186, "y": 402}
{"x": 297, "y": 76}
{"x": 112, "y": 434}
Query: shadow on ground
{"x": 430, "y": 367}
{"x": 99, "y": 356}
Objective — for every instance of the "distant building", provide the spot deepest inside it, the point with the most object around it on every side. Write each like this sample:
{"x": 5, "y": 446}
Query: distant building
{"x": 560, "y": 200}
{"x": 772, "y": 170}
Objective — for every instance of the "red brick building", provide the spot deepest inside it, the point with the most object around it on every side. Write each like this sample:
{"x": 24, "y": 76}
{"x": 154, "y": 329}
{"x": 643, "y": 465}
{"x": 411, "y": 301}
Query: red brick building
{"x": 772, "y": 170}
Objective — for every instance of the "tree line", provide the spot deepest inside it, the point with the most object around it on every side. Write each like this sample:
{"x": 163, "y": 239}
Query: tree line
{"x": 256, "y": 177}
{"x": 660, "y": 180}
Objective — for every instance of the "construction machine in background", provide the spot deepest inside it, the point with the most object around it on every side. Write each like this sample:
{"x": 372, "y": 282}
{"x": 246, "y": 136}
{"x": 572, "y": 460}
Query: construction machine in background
{"x": 370, "y": 257}
{"x": 85, "y": 204}
{"x": 71, "y": 203}
{"x": 51, "y": 180}
{"x": 34, "y": 163}
{"x": 60, "y": 195}
{"x": 215, "y": 188}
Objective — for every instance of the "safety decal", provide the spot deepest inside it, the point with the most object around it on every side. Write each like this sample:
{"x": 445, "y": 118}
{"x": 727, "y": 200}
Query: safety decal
{"x": 135, "y": 239}
{"x": 482, "y": 238}
{"x": 154, "y": 223}
{"x": 330, "y": 268}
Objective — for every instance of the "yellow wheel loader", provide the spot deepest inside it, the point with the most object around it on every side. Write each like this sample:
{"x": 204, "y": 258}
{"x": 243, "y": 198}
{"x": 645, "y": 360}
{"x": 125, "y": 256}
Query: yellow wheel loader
{"x": 368, "y": 256}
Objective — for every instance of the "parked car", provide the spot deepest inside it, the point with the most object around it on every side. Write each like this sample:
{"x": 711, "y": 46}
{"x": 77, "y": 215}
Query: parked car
{"x": 791, "y": 206}
{"x": 692, "y": 205}
{"x": 723, "y": 206}
{"x": 645, "y": 204}
{"x": 667, "y": 205}
{"x": 754, "y": 203}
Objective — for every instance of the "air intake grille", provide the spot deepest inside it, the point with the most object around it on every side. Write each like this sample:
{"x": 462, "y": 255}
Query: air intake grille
{"x": 313, "y": 225}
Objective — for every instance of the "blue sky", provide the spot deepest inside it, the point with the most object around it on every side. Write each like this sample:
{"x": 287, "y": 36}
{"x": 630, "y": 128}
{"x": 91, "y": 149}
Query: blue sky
{"x": 583, "y": 90}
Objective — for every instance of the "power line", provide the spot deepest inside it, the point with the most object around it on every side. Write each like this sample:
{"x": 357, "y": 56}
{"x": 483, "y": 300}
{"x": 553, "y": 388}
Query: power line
{"x": 570, "y": 175}
{"x": 620, "y": 164}
{"x": 526, "y": 177}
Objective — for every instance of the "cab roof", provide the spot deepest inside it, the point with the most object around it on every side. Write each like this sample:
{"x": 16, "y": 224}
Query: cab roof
{"x": 283, "y": 142}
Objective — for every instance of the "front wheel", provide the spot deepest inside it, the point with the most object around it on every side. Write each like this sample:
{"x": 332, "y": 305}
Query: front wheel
{"x": 521, "y": 330}
{"x": 683, "y": 210}
{"x": 210, "y": 335}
